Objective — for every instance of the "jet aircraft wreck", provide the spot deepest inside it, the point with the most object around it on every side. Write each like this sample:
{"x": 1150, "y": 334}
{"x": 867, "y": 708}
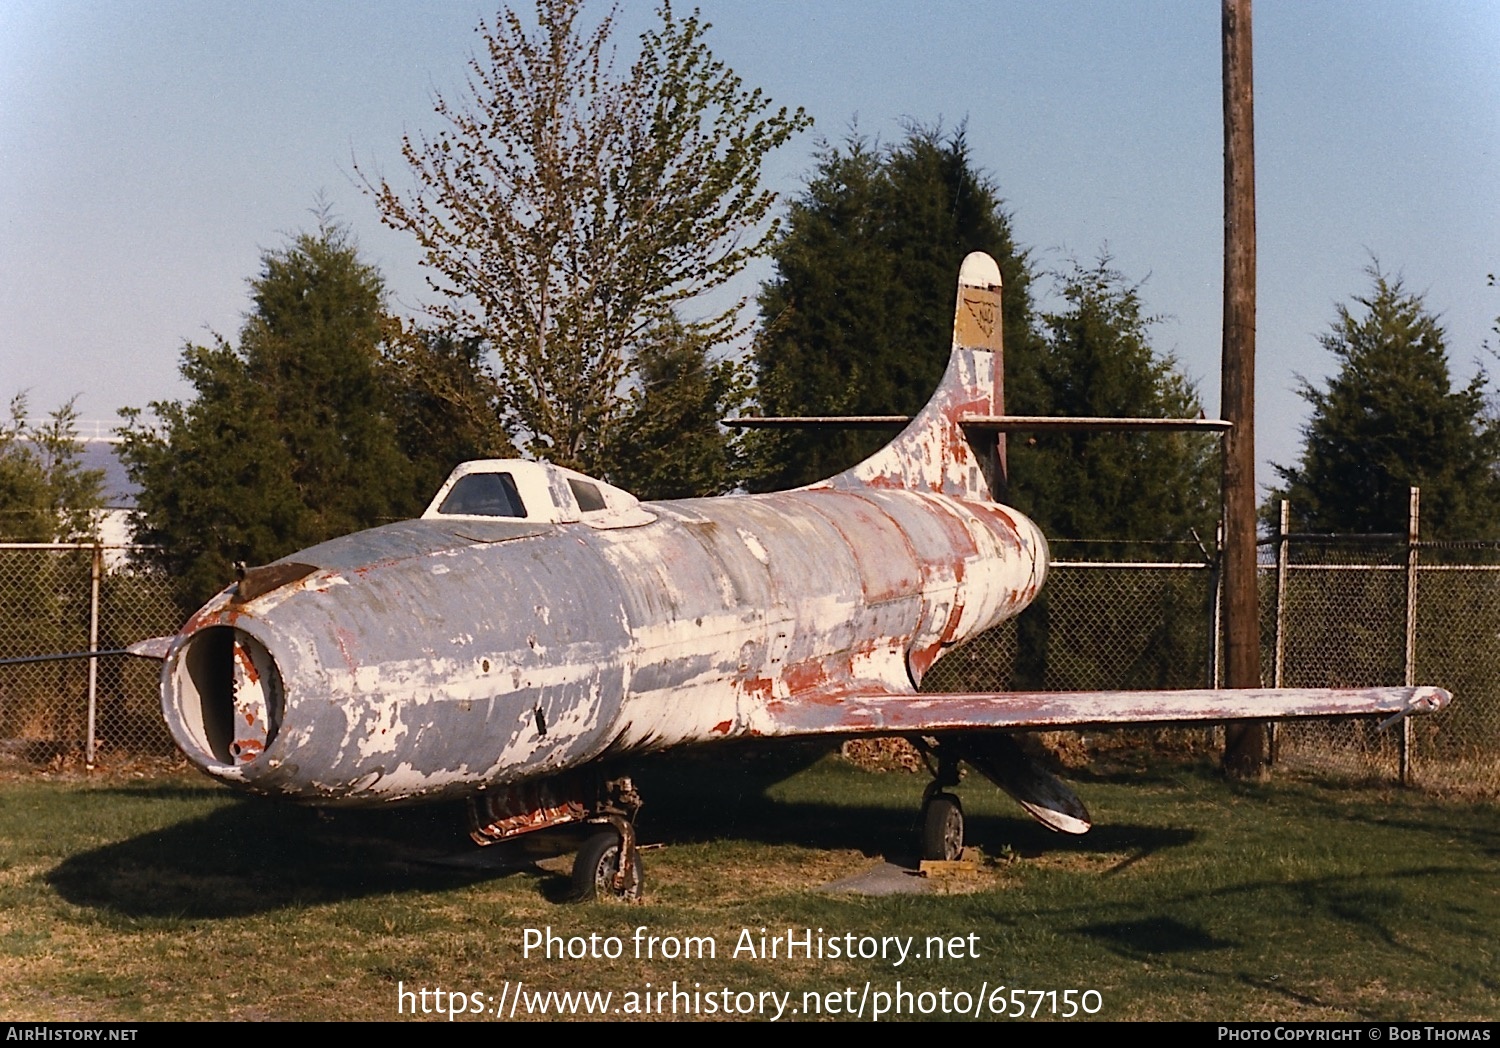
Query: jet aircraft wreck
{"x": 536, "y": 629}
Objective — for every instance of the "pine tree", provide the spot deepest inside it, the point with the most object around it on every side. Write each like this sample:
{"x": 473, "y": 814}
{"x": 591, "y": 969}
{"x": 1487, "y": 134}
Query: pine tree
{"x": 858, "y": 317}
{"x": 671, "y": 444}
{"x": 1390, "y": 420}
{"x": 289, "y": 439}
{"x": 1098, "y": 361}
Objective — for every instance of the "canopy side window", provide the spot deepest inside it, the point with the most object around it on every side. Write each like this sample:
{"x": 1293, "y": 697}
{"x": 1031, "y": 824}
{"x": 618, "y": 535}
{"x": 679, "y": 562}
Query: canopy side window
{"x": 588, "y": 495}
{"x": 484, "y": 495}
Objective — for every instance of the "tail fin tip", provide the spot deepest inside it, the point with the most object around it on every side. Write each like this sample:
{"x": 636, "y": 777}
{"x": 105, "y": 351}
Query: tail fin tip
{"x": 979, "y": 270}
{"x": 934, "y": 453}
{"x": 976, "y": 316}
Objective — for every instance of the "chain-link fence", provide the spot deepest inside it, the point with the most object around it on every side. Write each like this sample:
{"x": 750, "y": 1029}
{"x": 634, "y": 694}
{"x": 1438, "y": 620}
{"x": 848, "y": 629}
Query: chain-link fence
{"x": 1098, "y": 624}
{"x": 58, "y": 598}
{"x": 1345, "y": 611}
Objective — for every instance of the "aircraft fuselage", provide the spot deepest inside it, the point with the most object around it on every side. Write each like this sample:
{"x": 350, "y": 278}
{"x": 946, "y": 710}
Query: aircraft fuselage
{"x": 440, "y": 657}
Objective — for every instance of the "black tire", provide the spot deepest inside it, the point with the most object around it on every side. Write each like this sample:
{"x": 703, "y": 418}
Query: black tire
{"x": 942, "y": 827}
{"x": 594, "y": 871}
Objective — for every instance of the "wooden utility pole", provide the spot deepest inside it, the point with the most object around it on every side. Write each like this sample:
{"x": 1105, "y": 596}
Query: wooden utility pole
{"x": 1244, "y": 744}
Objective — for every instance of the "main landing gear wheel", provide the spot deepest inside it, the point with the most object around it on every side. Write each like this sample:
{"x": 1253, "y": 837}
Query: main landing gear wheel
{"x": 596, "y": 868}
{"x": 942, "y": 827}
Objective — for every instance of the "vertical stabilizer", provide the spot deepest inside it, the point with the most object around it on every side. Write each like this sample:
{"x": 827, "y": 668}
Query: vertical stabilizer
{"x": 934, "y": 452}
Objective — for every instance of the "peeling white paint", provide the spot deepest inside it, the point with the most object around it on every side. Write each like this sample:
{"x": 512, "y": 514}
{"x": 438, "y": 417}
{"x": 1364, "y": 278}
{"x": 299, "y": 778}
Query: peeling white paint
{"x": 753, "y": 545}
{"x": 384, "y": 729}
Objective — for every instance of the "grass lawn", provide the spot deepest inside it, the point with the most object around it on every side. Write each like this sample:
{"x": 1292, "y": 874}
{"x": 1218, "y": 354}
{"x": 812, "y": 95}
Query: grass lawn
{"x": 171, "y": 898}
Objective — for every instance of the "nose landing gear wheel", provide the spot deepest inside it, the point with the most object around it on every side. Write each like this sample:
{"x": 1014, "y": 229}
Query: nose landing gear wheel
{"x": 942, "y": 827}
{"x": 596, "y": 867}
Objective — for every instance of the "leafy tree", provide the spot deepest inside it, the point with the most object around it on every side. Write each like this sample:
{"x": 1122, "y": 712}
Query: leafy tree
{"x": 289, "y": 440}
{"x": 673, "y": 446}
{"x": 1390, "y": 420}
{"x": 46, "y": 494}
{"x": 565, "y": 209}
{"x": 1098, "y": 361}
{"x": 857, "y": 319}
{"x": 1491, "y": 281}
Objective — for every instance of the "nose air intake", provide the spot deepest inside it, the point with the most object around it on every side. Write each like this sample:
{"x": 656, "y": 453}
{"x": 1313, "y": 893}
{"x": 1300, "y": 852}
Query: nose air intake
{"x": 227, "y": 694}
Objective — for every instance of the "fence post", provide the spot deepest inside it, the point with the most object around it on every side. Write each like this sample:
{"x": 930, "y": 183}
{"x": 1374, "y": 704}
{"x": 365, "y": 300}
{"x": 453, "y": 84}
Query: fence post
{"x": 1216, "y": 612}
{"x": 96, "y": 568}
{"x": 1410, "y": 659}
{"x": 1278, "y": 667}
{"x": 1215, "y": 625}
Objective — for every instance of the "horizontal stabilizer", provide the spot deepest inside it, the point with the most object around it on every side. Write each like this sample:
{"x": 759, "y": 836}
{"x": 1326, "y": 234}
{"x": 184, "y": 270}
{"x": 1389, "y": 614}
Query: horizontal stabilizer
{"x": 931, "y": 714}
{"x": 995, "y": 423}
{"x": 1090, "y": 424}
{"x": 845, "y": 421}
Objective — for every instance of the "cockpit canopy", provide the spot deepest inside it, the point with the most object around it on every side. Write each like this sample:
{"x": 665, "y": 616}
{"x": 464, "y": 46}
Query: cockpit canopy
{"x": 537, "y": 492}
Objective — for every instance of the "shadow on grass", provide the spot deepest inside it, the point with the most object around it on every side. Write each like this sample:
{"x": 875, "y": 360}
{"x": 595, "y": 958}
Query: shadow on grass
{"x": 1392, "y": 808}
{"x": 1143, "y": 768}
{"x": 1370, "y": 903}
{"x": 1154, "y": 935}
{"x": 253, "y": 855}
{"x": 698, "y": 800}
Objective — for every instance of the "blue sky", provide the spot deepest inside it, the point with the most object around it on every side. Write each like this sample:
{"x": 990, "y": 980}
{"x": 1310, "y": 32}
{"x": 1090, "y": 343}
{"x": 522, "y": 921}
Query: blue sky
{"x": 150, "y": 152}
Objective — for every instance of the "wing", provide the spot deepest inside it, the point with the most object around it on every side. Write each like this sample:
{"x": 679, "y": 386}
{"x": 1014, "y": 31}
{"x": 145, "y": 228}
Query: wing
{"x": 971, "y": 726}
{"x": 890, "y": 713}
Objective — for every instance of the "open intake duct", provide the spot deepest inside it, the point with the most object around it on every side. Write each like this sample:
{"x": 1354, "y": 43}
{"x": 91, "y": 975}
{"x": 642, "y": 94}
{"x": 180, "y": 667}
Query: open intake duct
{"x": 227, "y": 694}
